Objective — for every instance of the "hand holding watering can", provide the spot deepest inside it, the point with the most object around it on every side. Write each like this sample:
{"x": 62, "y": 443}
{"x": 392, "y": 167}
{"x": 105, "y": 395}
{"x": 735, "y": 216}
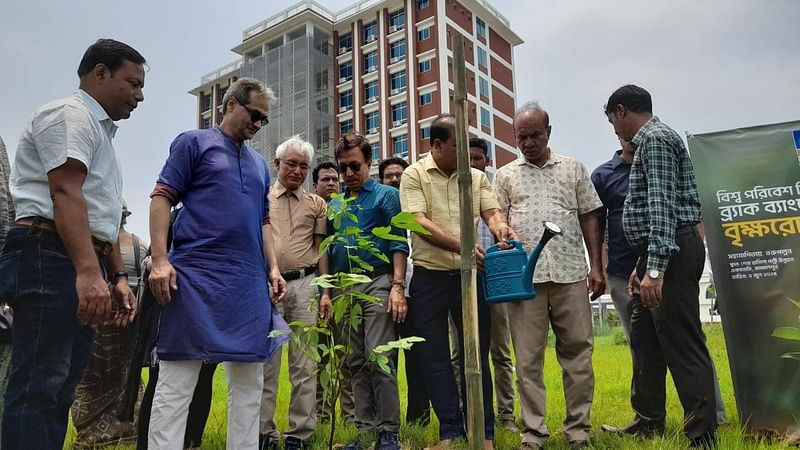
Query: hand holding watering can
{"x": 508, "y": 274}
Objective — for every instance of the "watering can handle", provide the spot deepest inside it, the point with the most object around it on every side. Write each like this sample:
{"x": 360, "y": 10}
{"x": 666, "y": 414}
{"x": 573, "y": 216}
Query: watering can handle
{"x": 496, "y": 248}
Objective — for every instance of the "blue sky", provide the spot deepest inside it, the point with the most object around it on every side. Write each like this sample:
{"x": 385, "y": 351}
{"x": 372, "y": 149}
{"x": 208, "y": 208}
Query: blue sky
{"x": 710, "y": 65}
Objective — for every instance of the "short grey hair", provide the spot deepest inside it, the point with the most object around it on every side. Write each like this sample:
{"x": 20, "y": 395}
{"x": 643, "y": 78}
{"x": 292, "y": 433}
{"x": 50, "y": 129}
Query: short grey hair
{"x": 296, "y": 143}
{"x": 242, "y": 89}
{"x": 533, "y": 106}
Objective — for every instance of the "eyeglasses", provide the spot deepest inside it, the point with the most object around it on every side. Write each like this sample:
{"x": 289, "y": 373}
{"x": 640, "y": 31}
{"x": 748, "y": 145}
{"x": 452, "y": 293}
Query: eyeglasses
{"x": 257, "y": 117}
{"x": 294, "y": 166}
{"x": 354, "y": 166}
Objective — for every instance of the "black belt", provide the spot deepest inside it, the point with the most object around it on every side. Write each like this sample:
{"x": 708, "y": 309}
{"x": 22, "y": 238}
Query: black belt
{"x": 686, "y": 230}
{"x": 290, "y": 275}
{"x": 683, "y": 230}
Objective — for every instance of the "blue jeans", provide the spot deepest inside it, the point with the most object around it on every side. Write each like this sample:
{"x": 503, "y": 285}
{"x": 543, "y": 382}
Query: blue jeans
{"x": 51, "y": 347}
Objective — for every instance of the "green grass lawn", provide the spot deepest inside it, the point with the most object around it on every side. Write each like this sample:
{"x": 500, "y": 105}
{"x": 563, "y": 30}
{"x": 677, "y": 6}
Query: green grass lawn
{"x": 612, "y": 363}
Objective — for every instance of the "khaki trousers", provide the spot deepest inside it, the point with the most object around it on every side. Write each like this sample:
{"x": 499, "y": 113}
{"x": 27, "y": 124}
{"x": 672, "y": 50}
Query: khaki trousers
{"x": 566, "y": 308}
{"x": 302, "y": 408}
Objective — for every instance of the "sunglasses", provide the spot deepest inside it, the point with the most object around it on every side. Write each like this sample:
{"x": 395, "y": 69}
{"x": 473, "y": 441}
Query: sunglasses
{"x": 256, "y": 116}
{"x": 354, "y": 166}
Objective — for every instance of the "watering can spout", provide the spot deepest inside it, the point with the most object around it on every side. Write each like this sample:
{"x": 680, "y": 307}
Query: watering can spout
{"x": 550, "y": 230}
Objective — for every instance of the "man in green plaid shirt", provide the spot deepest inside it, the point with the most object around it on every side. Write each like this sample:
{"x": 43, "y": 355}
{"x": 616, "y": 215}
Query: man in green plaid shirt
{"x": 659, "y": 219}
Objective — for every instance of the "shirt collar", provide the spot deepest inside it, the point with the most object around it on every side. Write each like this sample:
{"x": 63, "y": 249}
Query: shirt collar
{"x": 369, "y": 186}
{"x": 637, "y": 138}
{"x": 98, "y": 111}
{"x": 429, "y": 163}
{"x": 617, "y": 160}
{"x": 280, "y": 189}
{"x": 553, "y": 159}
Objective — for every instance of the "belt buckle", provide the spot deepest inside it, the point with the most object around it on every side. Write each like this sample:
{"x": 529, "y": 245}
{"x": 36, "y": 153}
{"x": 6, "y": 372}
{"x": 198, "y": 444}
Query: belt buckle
{"x": 291, "y": 275}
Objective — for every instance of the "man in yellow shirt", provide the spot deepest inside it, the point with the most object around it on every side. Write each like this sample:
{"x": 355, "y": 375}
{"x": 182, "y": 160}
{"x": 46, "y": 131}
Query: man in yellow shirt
{"x": 429, "y": 189}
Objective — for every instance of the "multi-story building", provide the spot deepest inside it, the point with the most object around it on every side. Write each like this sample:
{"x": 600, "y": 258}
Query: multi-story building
{"x": 380, "y": 67}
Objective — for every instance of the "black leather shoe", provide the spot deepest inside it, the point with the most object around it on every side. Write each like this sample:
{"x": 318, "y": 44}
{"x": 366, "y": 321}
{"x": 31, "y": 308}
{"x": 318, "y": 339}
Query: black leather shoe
{"x": 267, "y": 443}
{"x": 292, "y": 443}
{"x": 638, "y": 428}
{"x": 706, "y": 441}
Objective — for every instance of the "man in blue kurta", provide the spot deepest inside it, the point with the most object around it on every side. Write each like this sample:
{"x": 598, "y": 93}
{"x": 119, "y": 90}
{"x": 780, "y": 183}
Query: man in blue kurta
{"x": 375, "y": 391}
{"x": 214, "y": 283}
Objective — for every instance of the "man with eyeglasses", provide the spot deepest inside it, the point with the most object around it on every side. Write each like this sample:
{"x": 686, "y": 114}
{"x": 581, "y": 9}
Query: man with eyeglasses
{"x": 214, "y": 284}
{"x": 390, "y": 171}
{"x": 299, "y": 224}
{"x": 376, "y": 395}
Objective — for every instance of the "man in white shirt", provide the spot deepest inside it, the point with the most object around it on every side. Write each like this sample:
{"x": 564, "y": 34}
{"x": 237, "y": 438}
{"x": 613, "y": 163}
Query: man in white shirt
{"x": 63, "y": 249}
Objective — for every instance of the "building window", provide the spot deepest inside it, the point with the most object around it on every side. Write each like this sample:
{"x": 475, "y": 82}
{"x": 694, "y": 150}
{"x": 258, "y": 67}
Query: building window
{"x": 345, "y": 42}
{"x": 426, "y": 99}
{"x": 424, "y": 34}
{"x": 346, "y": 100}
{"x": 322, "y": 81}
{"x": 323, "y": 136}
{"x": 376, "y": 151}
{"x": 207, "y": 123}
{"x": 422, "y": 4}
{"x": 370, "y": 61}
{"x": 425, "y": 133}
{"x": 400, "y": 145}
{"x": 345, "y": 72}
{"x": 371, "y": 122}
{"x": 207, "y": 102}
{"x": 371, "y": 91}
{"x": 481, "y": 27}
{"x": 424, "y": 66}
{"x": 486, "y": 118}
{"x": 346, "y": 126}
{"x": 482, "y": 58}
{"x": 483, "y": 85}
{"x": 399, "y": 113}
{"x": 398, "y": 81}
{"x": 397, "y": 50}
{"x": 370, "y": 32}
{"x": 322, "y": 105}
{"x": 396, "y": 20}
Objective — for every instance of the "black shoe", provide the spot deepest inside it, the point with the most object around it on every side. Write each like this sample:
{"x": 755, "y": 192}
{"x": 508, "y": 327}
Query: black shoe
{"x": 267, "y": 443}
{"x": 292, "y": 443}
{"x": 638, "y": 428}
{"x": 388, "y": 440}
{"x": 705, "y": 441}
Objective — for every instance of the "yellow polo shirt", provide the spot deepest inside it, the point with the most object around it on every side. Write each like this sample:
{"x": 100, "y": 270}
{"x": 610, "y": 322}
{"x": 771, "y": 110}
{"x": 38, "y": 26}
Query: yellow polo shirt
{"x": 425, "y": 189}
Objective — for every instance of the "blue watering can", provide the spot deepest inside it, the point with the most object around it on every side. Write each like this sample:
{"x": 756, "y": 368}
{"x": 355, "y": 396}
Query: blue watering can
{"x": 508, "y": 274}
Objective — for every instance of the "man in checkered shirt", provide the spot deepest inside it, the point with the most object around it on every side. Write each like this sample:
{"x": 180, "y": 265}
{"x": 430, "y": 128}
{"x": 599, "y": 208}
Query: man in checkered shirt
{"x": 659, "y": 219}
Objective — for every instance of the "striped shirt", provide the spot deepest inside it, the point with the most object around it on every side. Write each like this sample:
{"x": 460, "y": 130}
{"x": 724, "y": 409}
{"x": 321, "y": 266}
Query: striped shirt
{"x": 662, "y": 193}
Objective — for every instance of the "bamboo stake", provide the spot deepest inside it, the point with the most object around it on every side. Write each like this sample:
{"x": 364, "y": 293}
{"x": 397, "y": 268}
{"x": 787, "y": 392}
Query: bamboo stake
{"x": 469, "y": 301}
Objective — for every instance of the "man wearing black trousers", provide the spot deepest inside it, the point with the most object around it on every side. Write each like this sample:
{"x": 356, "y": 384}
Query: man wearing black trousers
{"x": 659, "y": 219}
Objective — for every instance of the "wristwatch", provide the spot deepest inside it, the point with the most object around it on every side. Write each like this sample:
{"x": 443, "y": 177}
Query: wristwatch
{"x": 401, "y": 283}
{"x": 654, "y": 274}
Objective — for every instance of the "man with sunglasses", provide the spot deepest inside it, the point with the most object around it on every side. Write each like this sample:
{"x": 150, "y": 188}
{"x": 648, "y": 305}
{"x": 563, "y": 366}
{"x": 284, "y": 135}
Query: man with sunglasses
{"x": 214, "y": 281}
{"x": 299, "y": 224}
{"x": 375, "y": 391}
